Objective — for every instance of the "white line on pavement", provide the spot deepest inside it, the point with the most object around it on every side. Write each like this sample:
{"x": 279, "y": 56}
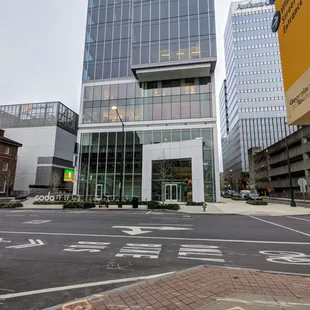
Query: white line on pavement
{"x": 154, "y": 238}
{"x": 285, "y": 227}
{"x": 165, "y": 224}
{"x": 76, "y": 286}
{"x": 148, "y": 212}
{"x": 298, "y": 218}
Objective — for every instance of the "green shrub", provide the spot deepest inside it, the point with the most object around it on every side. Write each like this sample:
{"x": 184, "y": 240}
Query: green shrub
{"x": 171, "y": 206}
{"x": 153, "y": 205}
{"x": 58, "y": 202}
{"x": 237, "y": 198}
{"x": 156, "y": 205}
{"x": 257, "y": 202}
{"x": 11, "y": 205}
{"x": 226, "y": 196}
{"x": 190, "y": 203}
{"x": 79, "y": 205}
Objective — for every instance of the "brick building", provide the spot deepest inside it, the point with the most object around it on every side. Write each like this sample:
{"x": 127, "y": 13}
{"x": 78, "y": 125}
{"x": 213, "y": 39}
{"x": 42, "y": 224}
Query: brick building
{"x": 8, "y": 160}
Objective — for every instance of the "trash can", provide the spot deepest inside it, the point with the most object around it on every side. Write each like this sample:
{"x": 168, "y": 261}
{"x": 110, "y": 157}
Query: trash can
{"x": 135, "y": 202}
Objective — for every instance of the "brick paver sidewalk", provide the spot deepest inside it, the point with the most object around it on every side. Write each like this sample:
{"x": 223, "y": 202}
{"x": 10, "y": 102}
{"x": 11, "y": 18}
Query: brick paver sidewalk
{"x": 198, "y": 287}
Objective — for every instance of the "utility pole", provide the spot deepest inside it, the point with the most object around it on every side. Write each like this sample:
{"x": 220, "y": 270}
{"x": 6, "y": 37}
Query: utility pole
{"x": 292, "y": 203}
{"x": 122, "y": 159}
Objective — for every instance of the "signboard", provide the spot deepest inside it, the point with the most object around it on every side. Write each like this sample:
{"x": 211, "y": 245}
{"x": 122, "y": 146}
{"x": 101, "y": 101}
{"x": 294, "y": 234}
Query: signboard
{"x": 68, "y": 175}
{"x": 302, "y": 183}
{"x": 292, "y": 22}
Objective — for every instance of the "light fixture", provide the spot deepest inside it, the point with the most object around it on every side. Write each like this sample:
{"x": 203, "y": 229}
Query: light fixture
{"x": 197, "y": 52}
{"x": 180, "y": 53}
{"x": 165, "y": 55}
{"x": 114, "y": 107}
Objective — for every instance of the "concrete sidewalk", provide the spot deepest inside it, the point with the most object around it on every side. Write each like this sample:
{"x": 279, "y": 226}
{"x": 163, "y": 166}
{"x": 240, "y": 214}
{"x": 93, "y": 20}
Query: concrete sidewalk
{"x": 205, "y": 288}
{"x": 228, "y": 206}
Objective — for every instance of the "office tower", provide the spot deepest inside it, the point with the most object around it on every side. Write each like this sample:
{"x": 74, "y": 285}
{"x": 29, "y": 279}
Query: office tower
{"x": 254, "y": 97}
{"x": 149, "y": 65}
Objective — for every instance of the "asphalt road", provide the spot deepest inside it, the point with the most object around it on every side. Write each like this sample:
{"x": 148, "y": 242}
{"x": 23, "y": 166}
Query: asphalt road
{"x": 51, "y": 257}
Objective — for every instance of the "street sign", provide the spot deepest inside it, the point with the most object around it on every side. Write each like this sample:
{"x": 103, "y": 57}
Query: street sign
{"x": 302, "y": 183}
{"x": 137, "y": 230}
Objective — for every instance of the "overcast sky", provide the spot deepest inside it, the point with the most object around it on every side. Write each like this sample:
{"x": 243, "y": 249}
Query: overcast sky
{"x": 42, "y": 50}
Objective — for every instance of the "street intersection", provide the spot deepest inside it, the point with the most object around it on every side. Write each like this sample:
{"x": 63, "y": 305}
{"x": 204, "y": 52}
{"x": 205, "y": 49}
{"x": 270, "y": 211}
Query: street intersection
{"x": 50, "y": 257}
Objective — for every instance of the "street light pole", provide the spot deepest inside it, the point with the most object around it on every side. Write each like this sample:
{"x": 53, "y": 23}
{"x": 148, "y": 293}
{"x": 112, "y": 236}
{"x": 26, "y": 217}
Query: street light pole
{"x": 293, "y": 203}
{"x": 122, "y": 159}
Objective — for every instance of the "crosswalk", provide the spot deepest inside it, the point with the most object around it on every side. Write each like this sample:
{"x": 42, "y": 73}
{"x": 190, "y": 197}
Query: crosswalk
{"x": 136, "y": 250}
{"x": 209, "y": 253}
{"x": 200, "y": 252}
{"x": 194, "y": 252}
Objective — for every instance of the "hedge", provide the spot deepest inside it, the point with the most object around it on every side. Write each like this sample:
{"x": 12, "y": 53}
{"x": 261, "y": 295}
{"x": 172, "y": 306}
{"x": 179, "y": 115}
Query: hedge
{"x": 156, "y": 205}
{"x": 257, "y": 202}
{"x": 11, "y": 205}
{"x": 194, "y": 203}
{"x": 57, "y": 202}
{"x": 79, "y": 205}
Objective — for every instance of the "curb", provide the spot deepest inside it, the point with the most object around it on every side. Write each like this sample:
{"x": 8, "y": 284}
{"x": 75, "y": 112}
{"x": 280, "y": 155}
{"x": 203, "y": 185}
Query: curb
{"x": 177, "y": 273}
{"x": 129, "y": 286}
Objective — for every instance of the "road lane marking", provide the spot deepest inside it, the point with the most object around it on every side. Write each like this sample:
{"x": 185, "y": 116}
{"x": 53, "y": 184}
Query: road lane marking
{"x": 137, "y": 230}
{"x": 35, "y": 222}
{"x": 148, "y": 212}
{"x": 285, "y": 227}
{"x": 33, "y": 243}
{"x": 77, "y": 286}
{"x": 165, "y": 224}
{"x": 85, "y": 246}
{"x": 152, "y": 237}
{"x": 298, "y": 218}
{"x": 287, "y": 257}
{"x": 138, "y": 250}
{"x": 200, "y": 252}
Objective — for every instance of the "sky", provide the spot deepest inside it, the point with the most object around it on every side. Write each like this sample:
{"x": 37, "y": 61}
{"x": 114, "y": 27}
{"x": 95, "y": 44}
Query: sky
{"x": 41, "y": 53}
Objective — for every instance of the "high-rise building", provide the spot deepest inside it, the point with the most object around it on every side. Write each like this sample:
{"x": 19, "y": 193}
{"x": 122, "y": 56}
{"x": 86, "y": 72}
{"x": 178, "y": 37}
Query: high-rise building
{"x": 254, "y": 98}
{"x": 153, "y": 62}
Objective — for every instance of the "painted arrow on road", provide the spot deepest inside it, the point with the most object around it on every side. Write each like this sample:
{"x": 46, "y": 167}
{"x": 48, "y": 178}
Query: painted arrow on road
{"x": 137, "y": 230}
{"x": 32, "y": 243}
{"x": 5, "y": 241}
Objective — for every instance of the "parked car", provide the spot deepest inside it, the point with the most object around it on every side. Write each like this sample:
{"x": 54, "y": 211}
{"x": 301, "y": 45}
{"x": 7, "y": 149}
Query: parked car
{"x": 245, "y": 192}
{"x": 252, "y": 196}
{"x": 236, "y": 194}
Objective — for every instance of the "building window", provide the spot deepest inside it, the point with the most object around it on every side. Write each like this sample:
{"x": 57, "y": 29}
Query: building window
{"x": 7, "y": 150}
{"x": 2, "y": 186}
{"x": 5, "y": 166}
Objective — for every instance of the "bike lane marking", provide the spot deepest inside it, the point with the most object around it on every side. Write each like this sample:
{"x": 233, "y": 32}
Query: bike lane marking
{"x": 282, "y": 226}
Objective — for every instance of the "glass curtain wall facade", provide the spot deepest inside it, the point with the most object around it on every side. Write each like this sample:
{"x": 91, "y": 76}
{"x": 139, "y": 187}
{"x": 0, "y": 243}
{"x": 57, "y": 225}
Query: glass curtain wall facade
{"x": 255, "y": 96}
{"x": 125, "y": 35}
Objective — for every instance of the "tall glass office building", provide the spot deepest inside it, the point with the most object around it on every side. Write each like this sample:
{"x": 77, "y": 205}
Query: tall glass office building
{"x": 253, "y": 108}
{"x": 154, "y": 61}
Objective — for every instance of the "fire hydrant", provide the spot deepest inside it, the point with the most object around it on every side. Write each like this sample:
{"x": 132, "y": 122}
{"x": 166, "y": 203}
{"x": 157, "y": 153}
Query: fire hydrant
{"x": 204, "y": 207}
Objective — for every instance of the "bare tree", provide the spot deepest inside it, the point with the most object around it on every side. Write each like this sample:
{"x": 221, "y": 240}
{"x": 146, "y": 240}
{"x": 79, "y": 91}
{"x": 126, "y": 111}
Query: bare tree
{"x": 162, "y": 173}
{"x": 69, "y": 186}
{"x": 55, "y": 181}
{"x": 258, "y": 174}
{"x": 8, "y": 177}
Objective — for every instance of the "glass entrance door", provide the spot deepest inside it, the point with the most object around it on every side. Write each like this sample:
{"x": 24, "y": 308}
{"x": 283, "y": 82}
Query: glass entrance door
{"x": 99, "y": 191}
{"x": 171, "y": 192}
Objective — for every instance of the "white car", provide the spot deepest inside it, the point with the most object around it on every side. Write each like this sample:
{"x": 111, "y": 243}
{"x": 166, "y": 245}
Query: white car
{"x": 244, "y": 193}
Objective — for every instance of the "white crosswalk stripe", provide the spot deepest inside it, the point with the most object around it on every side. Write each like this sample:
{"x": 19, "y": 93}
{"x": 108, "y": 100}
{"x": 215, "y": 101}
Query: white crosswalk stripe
{"x": 201, "y": 252}
{"x": 137, "y": 250}
{"x": 85, "y": 246}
